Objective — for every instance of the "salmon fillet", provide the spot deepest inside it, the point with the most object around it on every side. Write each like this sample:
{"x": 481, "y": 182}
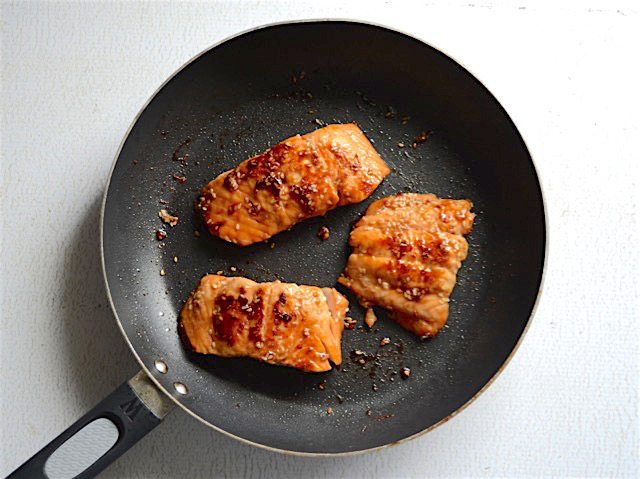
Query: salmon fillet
{"x": 407, "y": 250}
{"x": 278, "y": 323}
{"x": 302, "y": 177}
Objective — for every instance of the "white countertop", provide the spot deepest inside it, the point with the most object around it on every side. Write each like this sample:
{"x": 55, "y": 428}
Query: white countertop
{"x": 74, "y": 76}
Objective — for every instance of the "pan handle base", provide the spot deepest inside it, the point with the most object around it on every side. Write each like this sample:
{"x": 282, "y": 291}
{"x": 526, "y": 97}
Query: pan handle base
{"x": 102, "y": 435}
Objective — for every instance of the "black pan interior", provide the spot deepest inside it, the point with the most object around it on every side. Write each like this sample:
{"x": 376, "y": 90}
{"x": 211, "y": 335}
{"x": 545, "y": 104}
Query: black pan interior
{"x": 236, "y": 100}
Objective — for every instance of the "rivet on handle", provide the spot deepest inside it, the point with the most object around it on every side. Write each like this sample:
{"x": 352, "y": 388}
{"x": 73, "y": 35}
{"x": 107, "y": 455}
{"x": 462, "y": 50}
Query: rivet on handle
{"x": 181, "y": 388}
{"x": 161, "y": 366}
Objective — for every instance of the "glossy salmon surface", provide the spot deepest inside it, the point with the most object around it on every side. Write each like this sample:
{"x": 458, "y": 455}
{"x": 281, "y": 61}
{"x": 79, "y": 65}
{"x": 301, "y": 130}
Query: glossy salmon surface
{"x": 299, "y": 178}
{"x": 407, "y": 250}
{"x": 278, "y": 323}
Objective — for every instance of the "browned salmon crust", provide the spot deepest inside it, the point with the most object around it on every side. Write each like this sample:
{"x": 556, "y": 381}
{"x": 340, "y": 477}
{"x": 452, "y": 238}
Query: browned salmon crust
{"x": 278, "y": 323}
{"x": 302, "y": 177}
{"x": 407, "y": 250}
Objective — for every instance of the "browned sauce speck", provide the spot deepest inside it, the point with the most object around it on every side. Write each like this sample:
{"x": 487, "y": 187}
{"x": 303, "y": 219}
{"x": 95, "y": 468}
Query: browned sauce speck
{"x": 176, "y": 153}
{"x": 303, "y": 194}
{"x": 255, "y": 314}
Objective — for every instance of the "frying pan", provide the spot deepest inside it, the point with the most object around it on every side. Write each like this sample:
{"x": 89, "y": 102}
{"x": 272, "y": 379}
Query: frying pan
{"x": 234, "y": 101}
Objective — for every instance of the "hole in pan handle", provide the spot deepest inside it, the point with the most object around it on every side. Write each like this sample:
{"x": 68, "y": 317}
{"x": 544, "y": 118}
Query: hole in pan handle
{"x": 102, "y": 435}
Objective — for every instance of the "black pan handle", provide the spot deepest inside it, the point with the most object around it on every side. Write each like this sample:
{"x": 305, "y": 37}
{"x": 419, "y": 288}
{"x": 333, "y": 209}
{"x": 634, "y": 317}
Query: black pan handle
{"x": 102, "y": 435}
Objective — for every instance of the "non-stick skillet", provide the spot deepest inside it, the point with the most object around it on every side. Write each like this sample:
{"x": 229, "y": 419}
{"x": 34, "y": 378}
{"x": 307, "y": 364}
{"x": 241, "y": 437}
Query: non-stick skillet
{"x": 235, "y": 100}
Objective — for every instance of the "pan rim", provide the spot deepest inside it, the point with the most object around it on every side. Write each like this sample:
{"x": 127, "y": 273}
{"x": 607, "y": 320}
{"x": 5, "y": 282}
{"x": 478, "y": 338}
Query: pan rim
{"x": 304, "y": 453}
